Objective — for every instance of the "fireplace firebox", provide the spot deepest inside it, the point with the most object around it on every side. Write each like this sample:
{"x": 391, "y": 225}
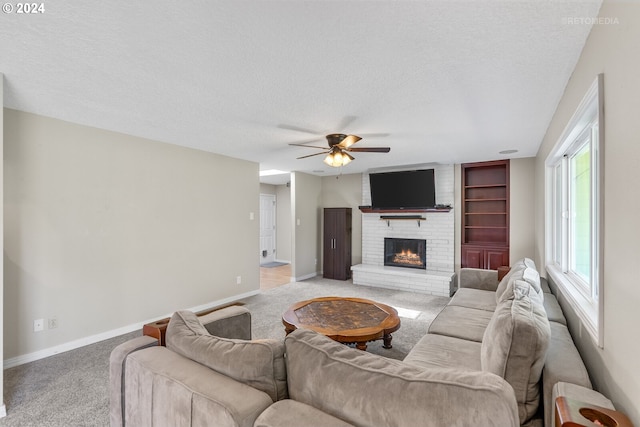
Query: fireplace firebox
{"x": 409, "y": 253}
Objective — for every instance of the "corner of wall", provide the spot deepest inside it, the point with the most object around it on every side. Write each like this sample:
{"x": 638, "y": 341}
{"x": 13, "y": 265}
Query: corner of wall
{"x": 3, "y": 410}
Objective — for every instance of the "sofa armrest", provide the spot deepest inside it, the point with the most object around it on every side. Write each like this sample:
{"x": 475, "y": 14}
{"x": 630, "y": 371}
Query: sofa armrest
{"x": 117, "y": 361}
{"x": 486, "y": 280}
{"x": 230, "y": 322}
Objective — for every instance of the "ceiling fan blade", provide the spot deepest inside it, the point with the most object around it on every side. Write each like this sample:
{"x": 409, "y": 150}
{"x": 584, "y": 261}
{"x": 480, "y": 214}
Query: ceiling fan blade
{"x": 299, "y": 129}
{"x": 345, "y": 122}
{"x": 374, "y": 135}
{"x": 311, "y": 155}
{"x": 349, "y": 141}
{"x": 307, "y": 146}
{"x": 370, "y": 150}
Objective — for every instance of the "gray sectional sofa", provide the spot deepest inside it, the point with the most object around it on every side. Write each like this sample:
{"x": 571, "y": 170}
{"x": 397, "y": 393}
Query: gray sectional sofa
{"x": 497, "y": 355}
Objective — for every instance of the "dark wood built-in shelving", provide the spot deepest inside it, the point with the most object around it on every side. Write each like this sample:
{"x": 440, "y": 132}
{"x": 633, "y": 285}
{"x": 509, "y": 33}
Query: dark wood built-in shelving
{"x": 485, "y": 214}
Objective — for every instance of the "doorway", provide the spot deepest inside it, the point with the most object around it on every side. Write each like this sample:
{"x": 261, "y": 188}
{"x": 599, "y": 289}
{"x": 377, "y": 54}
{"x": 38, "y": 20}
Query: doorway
{"x": 267, "y": 228}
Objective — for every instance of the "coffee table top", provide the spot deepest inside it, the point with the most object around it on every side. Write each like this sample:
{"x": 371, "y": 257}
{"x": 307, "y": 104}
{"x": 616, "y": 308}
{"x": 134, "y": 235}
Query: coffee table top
{"x": 343, "y": 319}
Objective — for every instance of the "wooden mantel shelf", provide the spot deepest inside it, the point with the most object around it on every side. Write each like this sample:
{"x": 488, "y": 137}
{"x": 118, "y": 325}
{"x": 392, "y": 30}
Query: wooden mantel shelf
{"x": 364, "y": 209}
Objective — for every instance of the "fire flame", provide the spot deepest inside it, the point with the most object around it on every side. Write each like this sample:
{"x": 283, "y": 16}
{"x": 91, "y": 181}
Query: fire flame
{"x": 407, "y": 257}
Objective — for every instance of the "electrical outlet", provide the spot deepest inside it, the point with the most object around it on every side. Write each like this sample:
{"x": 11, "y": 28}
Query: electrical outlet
{"x": 53, "y": 323}
{"x": 38, "y": 325}
{"x": 238, "y": 280}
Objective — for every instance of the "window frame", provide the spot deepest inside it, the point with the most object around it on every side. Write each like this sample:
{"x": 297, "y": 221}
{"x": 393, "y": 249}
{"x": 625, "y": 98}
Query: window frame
{"x": 586, "y": 298}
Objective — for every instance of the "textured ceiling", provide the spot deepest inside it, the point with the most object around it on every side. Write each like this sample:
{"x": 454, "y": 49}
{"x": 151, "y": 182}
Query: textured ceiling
{"x": 448, "y": 81}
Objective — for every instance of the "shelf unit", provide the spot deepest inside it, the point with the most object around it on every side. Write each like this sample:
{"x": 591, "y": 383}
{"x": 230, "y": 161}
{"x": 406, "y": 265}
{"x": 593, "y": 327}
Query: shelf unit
{"x": 485, "y": 214}
{"x": 389, "y": 218}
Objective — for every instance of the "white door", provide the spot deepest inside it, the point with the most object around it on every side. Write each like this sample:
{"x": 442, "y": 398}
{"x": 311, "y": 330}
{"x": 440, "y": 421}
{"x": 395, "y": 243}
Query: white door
{"x": 267, "y": 228}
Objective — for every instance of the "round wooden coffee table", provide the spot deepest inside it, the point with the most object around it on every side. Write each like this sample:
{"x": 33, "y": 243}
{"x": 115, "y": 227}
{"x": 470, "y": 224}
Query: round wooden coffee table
{"x": 346, "y": 320}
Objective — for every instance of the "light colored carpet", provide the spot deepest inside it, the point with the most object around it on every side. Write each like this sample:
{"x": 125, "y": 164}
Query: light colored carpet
{"x": 71, "y": 389}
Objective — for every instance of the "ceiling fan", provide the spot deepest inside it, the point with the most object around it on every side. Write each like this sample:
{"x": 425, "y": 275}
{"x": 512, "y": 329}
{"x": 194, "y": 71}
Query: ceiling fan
{"x": 340, "y": 145}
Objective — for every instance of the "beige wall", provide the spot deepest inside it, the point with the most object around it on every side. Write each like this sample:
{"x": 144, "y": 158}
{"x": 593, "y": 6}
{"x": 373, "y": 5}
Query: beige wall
{"x": 104, "y": 230}
{"x": 521, "y": 208}
{"x": 346, "y": 192}
{"x": 306, "y": 202}
{"x": 284, "y": 224}
{"x": 613, "y": 50}
{"x": 3, "y": 409}
{"x": 267, "y": 189}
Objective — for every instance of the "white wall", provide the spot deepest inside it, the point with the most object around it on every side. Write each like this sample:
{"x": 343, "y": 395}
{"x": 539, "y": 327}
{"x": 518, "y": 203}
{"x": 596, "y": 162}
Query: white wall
{"x": 104, "y": 230}
{"x": 437, "y": 229}
{"x": 306, "y": 203}
{"x": 611, "y": 49}
{"x": 345, "y": 192}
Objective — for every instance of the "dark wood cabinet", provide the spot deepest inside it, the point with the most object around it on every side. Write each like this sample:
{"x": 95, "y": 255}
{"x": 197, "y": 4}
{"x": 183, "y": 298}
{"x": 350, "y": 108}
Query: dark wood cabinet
{"x": 485, "y": 214}
{"x": 336, "y": 255}
{"x": 485, "y": 258}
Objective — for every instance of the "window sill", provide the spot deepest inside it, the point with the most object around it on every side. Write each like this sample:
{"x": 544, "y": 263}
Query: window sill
{"x": 585, "y": 309}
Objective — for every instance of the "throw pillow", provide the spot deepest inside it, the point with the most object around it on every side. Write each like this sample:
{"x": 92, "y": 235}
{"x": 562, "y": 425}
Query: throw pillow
{"x": 258, "y": 363}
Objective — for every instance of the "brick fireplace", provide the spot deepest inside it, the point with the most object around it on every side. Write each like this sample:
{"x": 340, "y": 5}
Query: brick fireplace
{"x": 436, "y": 229}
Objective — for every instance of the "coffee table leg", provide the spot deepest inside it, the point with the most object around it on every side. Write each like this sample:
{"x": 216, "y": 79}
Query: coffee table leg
{"x": 361, "y": 345}
{"x": 386, "y": 340}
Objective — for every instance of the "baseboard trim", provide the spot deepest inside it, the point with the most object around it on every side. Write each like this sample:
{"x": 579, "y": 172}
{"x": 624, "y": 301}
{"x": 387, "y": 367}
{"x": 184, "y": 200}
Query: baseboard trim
{"x": 92, "y": 339}
{"x": 3, "y": 411}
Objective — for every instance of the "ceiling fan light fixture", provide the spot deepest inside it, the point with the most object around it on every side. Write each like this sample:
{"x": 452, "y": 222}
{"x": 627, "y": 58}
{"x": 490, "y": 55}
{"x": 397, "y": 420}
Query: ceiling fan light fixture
{"x": 339, "y": 148}
{"x": 338, "y": 158}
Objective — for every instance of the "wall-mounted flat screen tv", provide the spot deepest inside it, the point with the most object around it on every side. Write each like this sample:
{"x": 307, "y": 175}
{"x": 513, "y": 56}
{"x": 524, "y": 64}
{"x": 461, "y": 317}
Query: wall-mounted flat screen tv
{"x": 403, "y": 190}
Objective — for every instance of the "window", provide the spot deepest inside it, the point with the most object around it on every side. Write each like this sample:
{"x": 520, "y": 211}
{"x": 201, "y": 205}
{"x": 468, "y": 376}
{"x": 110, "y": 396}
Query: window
{"x": 574, "y": 215}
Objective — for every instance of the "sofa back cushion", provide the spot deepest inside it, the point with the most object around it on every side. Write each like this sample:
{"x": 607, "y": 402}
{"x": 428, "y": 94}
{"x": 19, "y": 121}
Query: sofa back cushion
{"x": 520, "y": 271}
{"x": 516, "y": 270}
{"x": 514, "y": 346}
{"x": 370, "y": 390}
{"x": 520, "y": 287}
{"x": 258, "y": 363}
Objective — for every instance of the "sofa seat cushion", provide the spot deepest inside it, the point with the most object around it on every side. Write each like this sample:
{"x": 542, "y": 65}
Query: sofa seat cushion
{"x": 563, "y": 364}
{"x": 165, "y": 388}
{"x": 461, "y": 322}
{"x": 515, "y": 345}
{"x": 357, "y": 387}
{"x": 440, "y": 351}
{"x": 474, "y": 298}
{"x": 287, "y": 413}
{"x": 258, "y": 363}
